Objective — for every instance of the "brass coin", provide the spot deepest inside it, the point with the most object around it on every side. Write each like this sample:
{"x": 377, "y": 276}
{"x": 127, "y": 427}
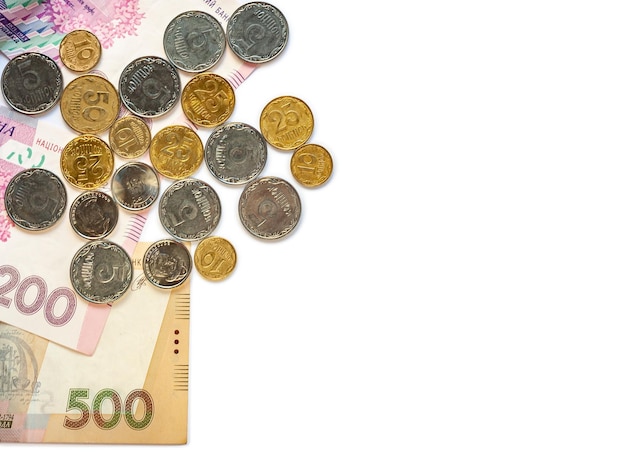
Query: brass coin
{"x": 176, "y": 152}
{"x": 208, "y": 100}
{"x": 87, "y": 162}
{"x": 311, "y": 165}
{"x": 215, "y": 258}
{"x": 90, "y": 104}
{"x": 129, "y": 137}
{"x": 80, "y": 50}
{"x": 286, "y": 122}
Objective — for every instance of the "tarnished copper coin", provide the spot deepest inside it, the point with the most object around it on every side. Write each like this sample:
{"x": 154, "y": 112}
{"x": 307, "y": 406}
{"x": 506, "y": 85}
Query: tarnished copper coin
{"x": 311, "y": 165}
{"x": 87, "y": 162}
{"x": 215, "y": 258}
{"x": 90, "y": 104}
{"x": 286, "y": 122}
{"x": 208, "y": 99}
{"x": 135, "y": 186}
{"x": 167, "y": 264}
{"x": 80, "y": 50}
{"x": 129, "y": 137}
{"x": 176, "y": 152}
{"x": 93, "y": 215}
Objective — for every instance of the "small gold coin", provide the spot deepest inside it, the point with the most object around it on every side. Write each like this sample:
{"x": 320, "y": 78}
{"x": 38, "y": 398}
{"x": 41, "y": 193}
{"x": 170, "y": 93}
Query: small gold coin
{"x": 286, "y": 122}
{"x": 176, "y": 152}
{"x": 311, "y": 165}
{"x": 80, "y": 50}
{"x": 208, "y": 100}
{"x": 90, "y": 104}
{"x": 215, "y": 258}
{"x": 129, "y": 137}
{"x": 87, "y": 162}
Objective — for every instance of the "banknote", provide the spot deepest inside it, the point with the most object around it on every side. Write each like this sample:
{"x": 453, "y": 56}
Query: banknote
{"x": 133, "y": 389}
{"x": 35, "y": 287}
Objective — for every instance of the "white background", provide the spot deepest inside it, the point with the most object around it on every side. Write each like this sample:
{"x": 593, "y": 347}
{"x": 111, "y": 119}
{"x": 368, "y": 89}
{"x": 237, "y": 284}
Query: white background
{"x": 454, "y": 296}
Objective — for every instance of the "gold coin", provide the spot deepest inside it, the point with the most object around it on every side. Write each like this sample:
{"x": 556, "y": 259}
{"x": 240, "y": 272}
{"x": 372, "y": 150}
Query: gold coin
{"x": 311, "y": 165}
{"x": 87, "y": 162}
{"x": 80, "y": 50}
{"x": 215, "y": 258}
{"x": 286, "y": 122}
{"x": 129, "y": 136}
{"x": 90, "y": 104}
{"x": 208, "y": 100}
{"x": 176, "y": 152}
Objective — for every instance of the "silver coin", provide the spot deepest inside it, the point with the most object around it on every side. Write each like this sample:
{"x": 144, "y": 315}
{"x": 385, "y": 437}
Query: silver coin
{"x": 269, "y": 207}
{"x": 32, "y": 83}
{"x": 167, "y": 264}
{"x": 194, "y": 41}
{"x": 257, "y": 32}
{"x": 235, "y": 153}
{"x": 190, "y": 209}
{"x": 135, "y": 186}
{"x": 93, "y": 215}
{"x": 149, "y": 86}
{"x": 35, "y": 199}
{"x": 101, "y": 271}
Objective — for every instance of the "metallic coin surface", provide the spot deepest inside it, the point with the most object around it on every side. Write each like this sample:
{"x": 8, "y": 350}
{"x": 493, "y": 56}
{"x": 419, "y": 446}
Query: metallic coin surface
{"x": 32, "y": 83}
{"x": 269, "y": 207}
{"x": 101, "y": 271}
{"x": 35, "y": 199}
{"x": 190, "y": 209}
{"x": 215, "y": 258}
{"x": 135, "y": 186}
{"x": 208, "y": 100}
{"x": 93, "y": 215}
{"x": 176, "y": 152}
{"x": 311, "y": 165}
{"x": 235, "y": 153}
{"x": 286, "y": 122}
{"x": 87, "y": 162}
{"x": 129, "y": 137}
{"x": 194, "y": 41}
{"x": 80, "y": 50}
{"x": 90, "y": 104}
{"x": 257, "y": 32}
{"x": 149, "y": 86}
{"x": 167, "y": 264}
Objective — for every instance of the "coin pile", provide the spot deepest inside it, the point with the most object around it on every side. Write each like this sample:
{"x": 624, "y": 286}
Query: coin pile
{"x": 189, "y": 209}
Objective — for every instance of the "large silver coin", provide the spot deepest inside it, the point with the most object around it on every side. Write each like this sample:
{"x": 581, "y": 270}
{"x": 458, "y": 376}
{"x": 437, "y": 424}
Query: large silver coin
{"x": 269, "y": 207}
{"x": 101, "y": 272}
{"x": 93, "y": 215}
{"x": 167, "y": 264}
{"x": 257, "y": 32}
{"x": 32, "y": 83}
{"x": 190, "y": 209}
{"x": 194, "y": 41}
{"x": 35, "y": 199}
{"x": 149, "y": 86}
{"x": 235, "y": 153}
{"x": 135, "y": 186}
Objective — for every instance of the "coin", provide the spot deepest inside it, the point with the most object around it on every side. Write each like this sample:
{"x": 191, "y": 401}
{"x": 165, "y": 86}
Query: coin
{"x": 286, "y": 122}
{"x": 35, "y": 199}
{"x": 311, "y": 165}
{"x": 167, "y": 264}
{"x": 32, "y": 83}
{"x": 129, "y": 136}
{"x": 90, "y": 104}
{"x": 80, "y": 50}
{"x": 215, "y": 258}
{"x": 101, "y": 272}
{"x": 149, "y": 86}
{"x": 93, "y": 215}
{"x": 176, "y": 151}
{"x": 87, "y": 162}
{"x": 235, "y": 153}
{"x": 189, "y": 209}
{"x": 269, "y": 207}
{"x": 208, "y": 100}
{"x": 135, "y": 186}
{"x": 194, "y": 41}
{"x": 257, "y": 32}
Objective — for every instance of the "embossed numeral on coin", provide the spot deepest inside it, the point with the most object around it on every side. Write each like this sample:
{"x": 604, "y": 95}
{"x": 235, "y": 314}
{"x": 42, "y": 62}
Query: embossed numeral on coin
{"x": 31, "y": 78}
{"x": 93, "y": 98}
{"x": 186, "y": 212}
{"x": 284, "y": 119}
{"x": 105, "y": 273}
{"x": 178, "y": 146}
{"x": 88, "y": 165}
{"x": 84, "y": 49}
{"x": 213, "y": 98}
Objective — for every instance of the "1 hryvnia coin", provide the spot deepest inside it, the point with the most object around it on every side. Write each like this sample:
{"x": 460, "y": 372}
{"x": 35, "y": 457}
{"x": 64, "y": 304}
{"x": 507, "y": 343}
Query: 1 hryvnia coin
{"x": 93, "y": 215}
{"x": 167, "y": 264}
